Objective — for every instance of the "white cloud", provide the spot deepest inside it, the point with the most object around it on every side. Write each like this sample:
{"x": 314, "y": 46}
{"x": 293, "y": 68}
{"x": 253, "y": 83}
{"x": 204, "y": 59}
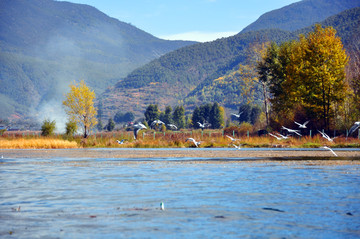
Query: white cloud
{"x": 198, "y": 36}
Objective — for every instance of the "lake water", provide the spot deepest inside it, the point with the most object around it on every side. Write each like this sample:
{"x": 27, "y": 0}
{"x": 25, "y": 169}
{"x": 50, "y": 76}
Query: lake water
{"x": 116, "y": 198}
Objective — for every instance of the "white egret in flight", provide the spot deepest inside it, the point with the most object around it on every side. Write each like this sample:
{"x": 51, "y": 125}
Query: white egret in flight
{"x": 137, "y": 128}
{"x": 194, "y": 141}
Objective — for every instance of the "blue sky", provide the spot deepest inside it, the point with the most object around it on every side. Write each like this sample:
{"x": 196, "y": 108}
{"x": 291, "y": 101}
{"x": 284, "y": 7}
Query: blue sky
{"x": 199, "y": 20}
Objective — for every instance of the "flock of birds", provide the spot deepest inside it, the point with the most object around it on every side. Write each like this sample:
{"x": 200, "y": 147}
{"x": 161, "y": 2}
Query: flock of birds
{"x": 278, "y": 136}
{"x": 139, "y": 126}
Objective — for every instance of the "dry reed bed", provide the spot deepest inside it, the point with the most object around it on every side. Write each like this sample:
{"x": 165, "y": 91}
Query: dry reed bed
{"x": 169, "y": 139}
{"x": 211, "y": 140}
{"x": 37, "y": 143}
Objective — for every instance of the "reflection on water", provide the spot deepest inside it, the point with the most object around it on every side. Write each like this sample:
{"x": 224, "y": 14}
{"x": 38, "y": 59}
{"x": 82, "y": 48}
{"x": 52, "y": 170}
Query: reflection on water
{"x": 99, "y": 198}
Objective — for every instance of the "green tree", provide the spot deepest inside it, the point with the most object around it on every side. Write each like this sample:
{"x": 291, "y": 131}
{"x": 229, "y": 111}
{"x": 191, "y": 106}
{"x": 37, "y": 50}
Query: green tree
{"x": 216, "y": 118}
{"x": 79, "y": 105}
{"x": 196, "y": 117}
{"x": 167, "y": 116}
{"x": 152, "y": 113}
{"x": 71, "y": 128}
{"x": 48, "y": 127}
{"x": 179, "y": 117}
{"x": 110, "y": 125}
{"x": 255, "y": 114}
{"x": 205, "y": 112}
{"x": 245, "y": 113}
{"x": 119, "y": 117}
{"x": 129, "y": 117}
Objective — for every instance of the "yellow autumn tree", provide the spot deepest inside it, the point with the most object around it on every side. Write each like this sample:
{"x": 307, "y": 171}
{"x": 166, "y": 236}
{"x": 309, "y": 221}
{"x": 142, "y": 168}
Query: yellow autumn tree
{"x": 316, "y": 72}
{"x": 79, "y": 106}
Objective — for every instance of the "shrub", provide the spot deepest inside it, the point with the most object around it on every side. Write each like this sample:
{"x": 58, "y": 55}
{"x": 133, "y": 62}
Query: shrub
{"x": 71, "y": 128}
{"x": 48, "y": 127}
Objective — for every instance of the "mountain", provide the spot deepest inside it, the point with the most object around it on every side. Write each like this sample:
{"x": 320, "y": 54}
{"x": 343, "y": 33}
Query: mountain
{"x": 170, "y": 78}
{"x": 188, "y": 75}
{"x": 45, "y": 45}
{"x": 300, "y": 14}
{"x": 226, "y": 89}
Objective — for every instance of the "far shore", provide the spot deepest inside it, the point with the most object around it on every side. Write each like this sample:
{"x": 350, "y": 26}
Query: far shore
{"x": 196, "y": 155}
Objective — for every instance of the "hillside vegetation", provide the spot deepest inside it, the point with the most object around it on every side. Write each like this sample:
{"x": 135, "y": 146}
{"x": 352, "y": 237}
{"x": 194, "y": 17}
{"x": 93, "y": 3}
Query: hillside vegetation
{"x": 207, "y": 72}
{"x": 229, "y": 89}
{"x": 45, "y": 45}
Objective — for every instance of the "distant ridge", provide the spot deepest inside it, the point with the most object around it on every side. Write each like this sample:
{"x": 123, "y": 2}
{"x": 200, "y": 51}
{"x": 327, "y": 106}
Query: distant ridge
{"x": 300, "y": 14}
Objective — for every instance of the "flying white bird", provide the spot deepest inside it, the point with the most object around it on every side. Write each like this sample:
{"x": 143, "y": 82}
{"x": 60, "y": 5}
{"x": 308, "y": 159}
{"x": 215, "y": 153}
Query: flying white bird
{"x": 291, "y": 130}
{"x": 353, "y": 128}
{"x": 237, "y": 115}
{"x": 232, "y": 139}
{"x": 201, "y": 125}
{"x": 326, "y": 136}
{"x": 137, "y": 128}
{"x": 120, "y": 142}
{"x": 194, "y": 141}
{"x": 283, "y": 136}
{"x": 204, "y": 125}
{"x": 172, "y": 126}
{"x": 275, "y": 136}
{"x": 237, "y": 147}
{"x": 302, "y": 126}
{"x": 332, "y": 151}
{"x": 156, "y": 122}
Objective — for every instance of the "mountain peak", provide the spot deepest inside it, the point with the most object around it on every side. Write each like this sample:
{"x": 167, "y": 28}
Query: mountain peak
{"x": 300, "y": 14}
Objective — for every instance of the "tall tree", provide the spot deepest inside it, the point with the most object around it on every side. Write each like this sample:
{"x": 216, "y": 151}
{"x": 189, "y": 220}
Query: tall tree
{"x": 255, "y": 57}
{"x": 317, "y": 72}
{"x": 216, "y": 118}
{"x": 119, "y": 117}
{"x": 306, "y": 75}
{"x": 179, "y": 116}
{"x": 152, "y": 113}
{"x": 196, "y": 117}
{"x": 110, "y": 125}
{"x": 79, "y": 106}
{"x": 167, "y": 116}
{"x": 245, "y": 113}
{"x": 272, "y": 69}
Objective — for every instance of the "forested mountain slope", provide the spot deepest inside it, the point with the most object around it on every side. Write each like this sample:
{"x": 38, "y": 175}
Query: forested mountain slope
{"x": 170, "y": 78}
{"x": 45, "y": 45}
{"x": 301, "y": 14}
{"x": 228, "y": 89}
{"x": 205, "y": 72}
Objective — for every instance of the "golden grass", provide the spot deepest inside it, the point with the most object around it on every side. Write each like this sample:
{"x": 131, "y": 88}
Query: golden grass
{"x": 169, "y": 139}
{"x": 209, "y": 139}
{"x": 37, "y": 143}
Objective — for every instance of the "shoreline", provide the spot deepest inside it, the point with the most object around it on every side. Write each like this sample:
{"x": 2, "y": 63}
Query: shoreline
{"x": 191, "y": 155}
